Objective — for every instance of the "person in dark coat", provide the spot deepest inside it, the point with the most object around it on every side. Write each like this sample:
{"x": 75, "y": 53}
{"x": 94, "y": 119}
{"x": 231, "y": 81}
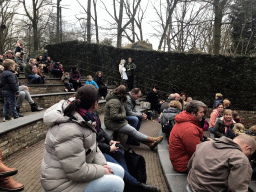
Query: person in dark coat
{"x": 10, "y": 89}
{"x": 130, "y": 71}
{"x": 152, "y": 98}
{"x": 113, "y": 154}
{"x": 75, "y": 78}
{"x": 103, "y": 89}
{"x": 224, "y": 125}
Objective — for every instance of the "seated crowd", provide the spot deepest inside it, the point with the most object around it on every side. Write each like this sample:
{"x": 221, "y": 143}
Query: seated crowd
{"x": 222, "y": 164}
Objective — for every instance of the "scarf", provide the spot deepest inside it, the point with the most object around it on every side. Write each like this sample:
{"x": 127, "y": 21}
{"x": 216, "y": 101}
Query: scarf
{"x": 90, "y": 118}
{"x": 227, "y": 124}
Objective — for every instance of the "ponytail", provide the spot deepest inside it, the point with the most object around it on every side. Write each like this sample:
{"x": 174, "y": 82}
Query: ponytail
{"x": 72, "y": 107}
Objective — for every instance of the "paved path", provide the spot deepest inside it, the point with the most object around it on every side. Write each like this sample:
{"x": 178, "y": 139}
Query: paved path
{"x": 28, "y": 161}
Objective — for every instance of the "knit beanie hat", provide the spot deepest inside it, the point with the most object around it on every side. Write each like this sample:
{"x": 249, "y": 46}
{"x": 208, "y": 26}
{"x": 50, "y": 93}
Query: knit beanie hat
{"x": 87, "y": 95}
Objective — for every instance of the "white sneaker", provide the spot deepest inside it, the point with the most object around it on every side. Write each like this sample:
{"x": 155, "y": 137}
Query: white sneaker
{"x": 66, "y": 90}
{"x": 73, "y": 89}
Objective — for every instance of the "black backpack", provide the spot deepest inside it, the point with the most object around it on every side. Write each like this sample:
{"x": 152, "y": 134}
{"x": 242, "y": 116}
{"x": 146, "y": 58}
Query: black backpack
{"x": 136, "y": 165}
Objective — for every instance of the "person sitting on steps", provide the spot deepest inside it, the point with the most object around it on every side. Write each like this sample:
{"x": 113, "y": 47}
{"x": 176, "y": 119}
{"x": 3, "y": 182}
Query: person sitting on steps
{"x": 133, "y": 116}
{"x": 115, "y": 118}
{"x": 30, "y": 72}
{"x": 113, "y": 154}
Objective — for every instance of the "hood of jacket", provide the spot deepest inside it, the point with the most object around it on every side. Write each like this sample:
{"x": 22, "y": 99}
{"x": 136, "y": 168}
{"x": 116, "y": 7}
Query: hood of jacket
{"x": 55, "y": 115}
{"x": 186, "y": 117}
{"x": 226, "y": 143}
{"x": 171, "y": 110}
{"x": 110, "y": 96}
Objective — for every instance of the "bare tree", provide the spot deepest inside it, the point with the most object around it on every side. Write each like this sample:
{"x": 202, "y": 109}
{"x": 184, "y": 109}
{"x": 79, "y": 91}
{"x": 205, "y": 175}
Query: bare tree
{"x": 35, "y": 17}
{"x": 7, "y": 12}
{"x": 88, "y": 30}
{"x": 119, "y": 20}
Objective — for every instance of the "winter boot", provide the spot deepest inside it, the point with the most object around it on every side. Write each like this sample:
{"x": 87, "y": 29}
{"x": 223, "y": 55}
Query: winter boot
{"x": 152, "y": 142}
{"x": 147, "y": 188}
{"x": 9, "y": 184}
{"x": 4, "y": 170}
{"x": 18, "y": 110}
{"x": 34, "y": 107}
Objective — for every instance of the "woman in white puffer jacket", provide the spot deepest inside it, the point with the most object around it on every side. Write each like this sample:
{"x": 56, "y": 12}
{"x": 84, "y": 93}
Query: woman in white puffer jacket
{"x": 72, "y": 161}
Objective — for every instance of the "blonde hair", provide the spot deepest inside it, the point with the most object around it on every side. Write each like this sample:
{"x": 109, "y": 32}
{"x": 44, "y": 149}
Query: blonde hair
{"x": 227, "y": 111}
{"x": 219, "y": 95}
{"x": 89, "y": 77}
{"x": 40, "y": 65}
{"x": 253, "y": 129}
{"x": 239, "y": 129}
{"x": 176, "y": 104}
{"x": 226, "y": 102}
{"x": 8, "y": 63}
{"x": 189, "y": 99}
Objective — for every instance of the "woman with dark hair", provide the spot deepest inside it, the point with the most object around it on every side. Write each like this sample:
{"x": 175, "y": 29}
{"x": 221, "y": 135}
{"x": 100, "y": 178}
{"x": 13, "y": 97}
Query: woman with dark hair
{"x": 152, "y": 98}
{"x": 183, "y": 100}
{"x": 102, "y": 86}
{"x": 216, "y": 113}
{"x": 115, "y": 117}
{"x": 72, "y": 160}
{"x": 75, "y": 78}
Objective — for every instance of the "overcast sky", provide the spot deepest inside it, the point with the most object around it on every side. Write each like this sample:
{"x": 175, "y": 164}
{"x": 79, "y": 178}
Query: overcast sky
{"x": 75, "y": 9}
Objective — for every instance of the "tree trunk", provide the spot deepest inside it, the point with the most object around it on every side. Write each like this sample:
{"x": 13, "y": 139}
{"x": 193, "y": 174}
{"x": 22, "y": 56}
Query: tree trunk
{"x": 34, "y": 25}
{"x": 167, "y": 24}
{"x": 96, "y": 22}
{"x": 89, "y": 21}
{"x": 58, "y": 21}
{"x": 218, "y": 6}
{"x": 119, "y": 25}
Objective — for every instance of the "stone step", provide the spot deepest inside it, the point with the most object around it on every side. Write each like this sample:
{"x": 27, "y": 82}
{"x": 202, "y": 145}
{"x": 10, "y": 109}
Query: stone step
{"x": 46, "y": 88}
{"x": 25, "y": 81}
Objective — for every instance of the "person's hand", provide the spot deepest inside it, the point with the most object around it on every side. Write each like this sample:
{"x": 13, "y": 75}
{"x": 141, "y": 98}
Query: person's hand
{"x": 77, "y": 81}
{"x": 144, "y": 116}
{"x": 26, "y": 88}
{"x": 113, "y": 148}
{"x": 113, "y": 142}
{"x": 108, "y": 170}
{"x": 17, "y": 95}
{"x": 161, "y": 102}
{"x": 209, "y": 139}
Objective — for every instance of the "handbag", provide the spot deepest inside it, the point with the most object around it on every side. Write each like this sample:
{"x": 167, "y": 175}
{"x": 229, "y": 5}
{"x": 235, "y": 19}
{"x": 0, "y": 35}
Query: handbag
{"x": 145, "y": 105}
{"x": 136, "y": 165}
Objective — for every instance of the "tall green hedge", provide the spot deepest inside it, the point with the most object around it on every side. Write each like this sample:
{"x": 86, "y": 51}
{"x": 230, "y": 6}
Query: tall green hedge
{"x": 198, "y": 75}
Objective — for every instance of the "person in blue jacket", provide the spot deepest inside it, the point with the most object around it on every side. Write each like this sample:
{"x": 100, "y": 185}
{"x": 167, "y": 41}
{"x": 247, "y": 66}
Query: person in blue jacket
{"x": 91, "y": 82}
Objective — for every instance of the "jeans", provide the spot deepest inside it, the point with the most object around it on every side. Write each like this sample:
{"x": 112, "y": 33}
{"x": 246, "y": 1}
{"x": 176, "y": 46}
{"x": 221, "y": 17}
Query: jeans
{"x": 34, "y": 79}
{"x": 118, "y": 158}
{"x": 68, "y": 85}
{"x": 9, "y": 103}
{"x": 211, "y": 129}
{"x": 134, "y": 121}
{"x": 108, "y": 183}
{"x": 129, "y": 130}
{"x": 24, "y": 95}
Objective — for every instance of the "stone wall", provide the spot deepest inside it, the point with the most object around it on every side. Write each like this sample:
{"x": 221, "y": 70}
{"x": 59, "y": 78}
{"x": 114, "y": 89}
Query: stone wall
{"x": 42, "y": 101}
{"x": 46, "y": 89}
{"x": 22, "y": 137}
